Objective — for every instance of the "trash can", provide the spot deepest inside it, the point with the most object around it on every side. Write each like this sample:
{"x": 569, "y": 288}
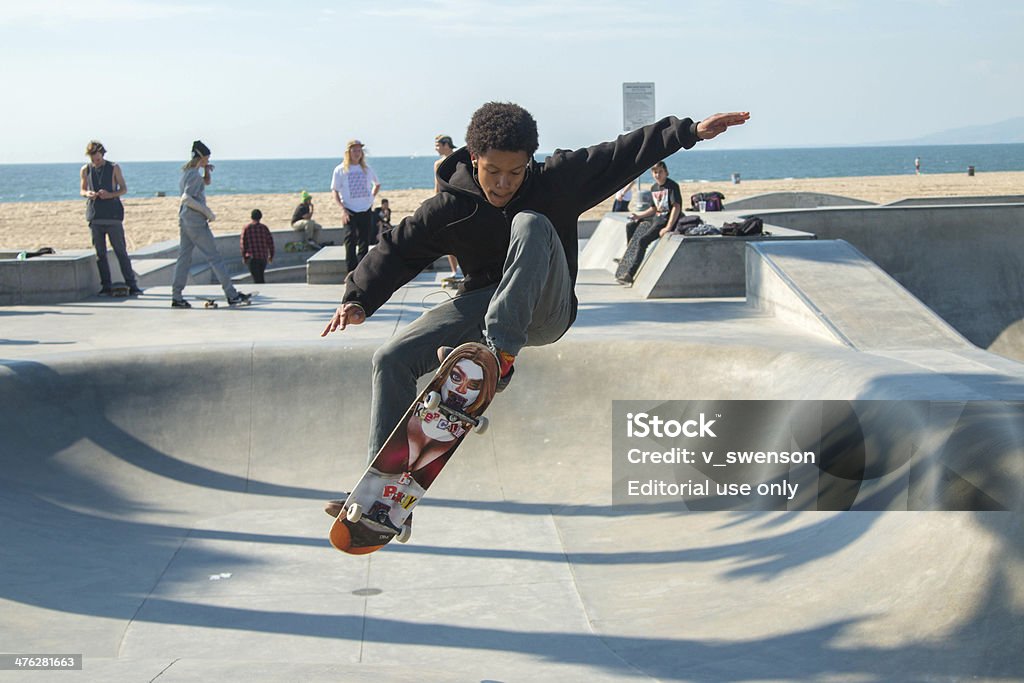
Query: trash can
{"x": 970, "y": 170}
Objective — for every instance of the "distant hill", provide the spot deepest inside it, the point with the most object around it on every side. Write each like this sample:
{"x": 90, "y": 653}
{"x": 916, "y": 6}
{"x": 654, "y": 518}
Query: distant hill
{"x": 1009, "y": 131}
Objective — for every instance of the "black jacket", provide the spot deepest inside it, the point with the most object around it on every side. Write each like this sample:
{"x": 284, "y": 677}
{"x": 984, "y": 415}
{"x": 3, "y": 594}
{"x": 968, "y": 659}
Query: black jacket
{"x": 459, "y": 220}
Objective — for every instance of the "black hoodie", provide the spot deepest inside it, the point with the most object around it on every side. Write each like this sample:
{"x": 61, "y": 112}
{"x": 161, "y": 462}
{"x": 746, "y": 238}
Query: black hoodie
{"x": 459, "y": 220}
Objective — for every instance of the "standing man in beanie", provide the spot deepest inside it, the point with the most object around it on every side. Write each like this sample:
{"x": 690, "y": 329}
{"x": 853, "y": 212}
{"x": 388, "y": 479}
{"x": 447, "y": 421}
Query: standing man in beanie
{"x": 102, "y": 186}
{"x": 512, "y": 223}
{"x": 354, "y": 185}
{"x": 194, "y": 218}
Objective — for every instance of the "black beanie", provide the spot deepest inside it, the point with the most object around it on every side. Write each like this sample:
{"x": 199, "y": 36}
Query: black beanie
{"x": 199, "y": 149}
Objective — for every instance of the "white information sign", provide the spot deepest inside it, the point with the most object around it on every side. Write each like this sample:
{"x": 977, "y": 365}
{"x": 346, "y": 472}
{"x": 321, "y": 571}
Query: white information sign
{"x": 637, "y": 105}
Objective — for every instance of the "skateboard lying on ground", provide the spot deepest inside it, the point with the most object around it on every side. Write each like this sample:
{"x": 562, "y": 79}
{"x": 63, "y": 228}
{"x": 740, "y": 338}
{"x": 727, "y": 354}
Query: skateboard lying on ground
{"x": 209, "y": 302}
{"x": 378, "y": 508}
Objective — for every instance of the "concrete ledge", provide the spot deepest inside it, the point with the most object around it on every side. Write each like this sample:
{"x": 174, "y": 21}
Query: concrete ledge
{"x": 288, "y": 274}
{"x": 327, "y": 267}
{"x": 680, "y": 265}
{"x": 825, "y": 287}
{"x": 72, "y": 275}
{"x": 964, "y": 262}
{"x": 792, "y": 200}
{"x": 49, "y": 279}
{"x": 607, "y": 242}
{"x": 701, "y": 266}
{"x": 958, "y": 201}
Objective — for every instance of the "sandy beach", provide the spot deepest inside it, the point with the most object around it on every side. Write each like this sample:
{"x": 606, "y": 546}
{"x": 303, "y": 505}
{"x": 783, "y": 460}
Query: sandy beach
{"x": 61, "y": 225}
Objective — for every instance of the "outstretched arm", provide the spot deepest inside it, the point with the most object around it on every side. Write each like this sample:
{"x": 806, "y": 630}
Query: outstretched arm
{"x": 716, "y": 124}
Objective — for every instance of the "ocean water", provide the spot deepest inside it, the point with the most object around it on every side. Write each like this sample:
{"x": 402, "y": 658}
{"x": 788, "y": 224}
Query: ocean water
{"x": 50, "y": 182}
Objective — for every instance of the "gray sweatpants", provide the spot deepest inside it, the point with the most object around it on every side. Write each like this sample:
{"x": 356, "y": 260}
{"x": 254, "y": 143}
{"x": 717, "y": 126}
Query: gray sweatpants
{"x": 531, "y": 306}
{"x": 196, "y": 235}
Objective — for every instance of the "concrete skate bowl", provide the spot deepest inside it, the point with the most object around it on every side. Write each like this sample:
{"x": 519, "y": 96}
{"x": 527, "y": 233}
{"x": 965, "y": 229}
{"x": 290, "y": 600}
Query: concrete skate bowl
{"x": 162, "y": 517}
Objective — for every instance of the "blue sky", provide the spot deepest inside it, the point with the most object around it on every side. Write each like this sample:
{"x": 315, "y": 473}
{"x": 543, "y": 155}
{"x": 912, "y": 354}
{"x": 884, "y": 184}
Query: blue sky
{"x": 260, "y": 79}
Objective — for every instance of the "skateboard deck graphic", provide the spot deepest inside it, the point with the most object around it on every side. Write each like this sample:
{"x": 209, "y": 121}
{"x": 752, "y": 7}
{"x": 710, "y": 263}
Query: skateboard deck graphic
{"x": 421, "y": 444}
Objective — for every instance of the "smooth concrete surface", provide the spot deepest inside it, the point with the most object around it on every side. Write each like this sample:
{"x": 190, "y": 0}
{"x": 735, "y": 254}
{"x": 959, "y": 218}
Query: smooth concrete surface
{"x": 71, "y": 275}
{"x": 956, "y": 201}
{"x": 680, "y": 265}
{"x": 162, "y": 472}
{"x": 791, "y": 200}
{"x": 797, "y": 281}
{"x": 964, "y": 262}
{"x": 327, "y": 267}
{"x": 702, "y": 266}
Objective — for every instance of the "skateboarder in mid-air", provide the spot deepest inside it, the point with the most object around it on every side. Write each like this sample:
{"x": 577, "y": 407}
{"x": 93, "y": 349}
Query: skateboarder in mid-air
{"x": 512, "y": 224}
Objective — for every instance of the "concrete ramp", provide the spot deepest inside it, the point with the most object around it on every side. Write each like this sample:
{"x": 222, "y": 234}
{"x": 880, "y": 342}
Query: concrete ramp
{"x": 161, "y": 512}
{"x": 831, "y": 289}
{"x": 791, "y": 200}
{"x": 678, "y": 265}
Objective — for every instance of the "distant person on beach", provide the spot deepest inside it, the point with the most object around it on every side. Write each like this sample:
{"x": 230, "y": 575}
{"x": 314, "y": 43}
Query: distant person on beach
{"x": 513, "y": 224}
{"x": 381, "y": 220}
{"x": 917, "y": 165}
{"x": 622, "y": 197}
{"x": 194, "y": 218}
{"x": 302, "y": 220}
{"x": 257, "y": 247}
{"x": 103, "y": 186}
{"x": 355, "y": 185}
{"x": 648, "y": 226}
{"x": 444, "y": 146}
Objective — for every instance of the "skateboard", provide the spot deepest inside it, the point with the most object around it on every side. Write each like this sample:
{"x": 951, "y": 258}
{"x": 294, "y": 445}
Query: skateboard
{"x": 297, "y": 246}
{"x": 452, "y": 404}
{"x": 207, "y": 303}
{"x": 213, "y": 303}
{"x": 119, "y": 289}
{"x": 452, "y": 282}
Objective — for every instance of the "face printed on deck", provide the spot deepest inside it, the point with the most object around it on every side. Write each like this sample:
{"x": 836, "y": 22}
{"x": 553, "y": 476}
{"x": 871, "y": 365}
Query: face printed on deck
{"x": 500, "y": 174}
{"x": 463, "y": 385}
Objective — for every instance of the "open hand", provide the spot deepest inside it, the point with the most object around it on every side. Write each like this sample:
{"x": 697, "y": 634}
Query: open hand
{"x": 345, "y": 315}
{"x": 718, "y": 123}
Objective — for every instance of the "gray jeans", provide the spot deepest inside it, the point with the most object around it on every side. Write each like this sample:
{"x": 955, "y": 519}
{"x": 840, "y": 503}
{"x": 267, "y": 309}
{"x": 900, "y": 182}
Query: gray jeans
{"x": 198, "y": 236}
{"x": 531, "y": 306}
{"x": 114, "y": 231}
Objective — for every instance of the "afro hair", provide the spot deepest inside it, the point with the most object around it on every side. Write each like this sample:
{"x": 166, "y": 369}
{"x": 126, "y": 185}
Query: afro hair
{"x": 503, "y": 126}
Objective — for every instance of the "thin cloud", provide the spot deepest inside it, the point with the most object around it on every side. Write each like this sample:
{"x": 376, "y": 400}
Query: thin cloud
{"x": 56, "y": 13}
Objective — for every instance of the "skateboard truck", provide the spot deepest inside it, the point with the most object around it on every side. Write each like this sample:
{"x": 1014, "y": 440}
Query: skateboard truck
{"x": 433, "y": 402}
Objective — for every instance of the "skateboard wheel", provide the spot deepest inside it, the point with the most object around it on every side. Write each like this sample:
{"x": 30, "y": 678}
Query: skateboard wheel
{"x": 433, "y": 401}
{"x": 404, "y": 535}
{"x": 482, "y": 423}
{"x": 354, "y": 513}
